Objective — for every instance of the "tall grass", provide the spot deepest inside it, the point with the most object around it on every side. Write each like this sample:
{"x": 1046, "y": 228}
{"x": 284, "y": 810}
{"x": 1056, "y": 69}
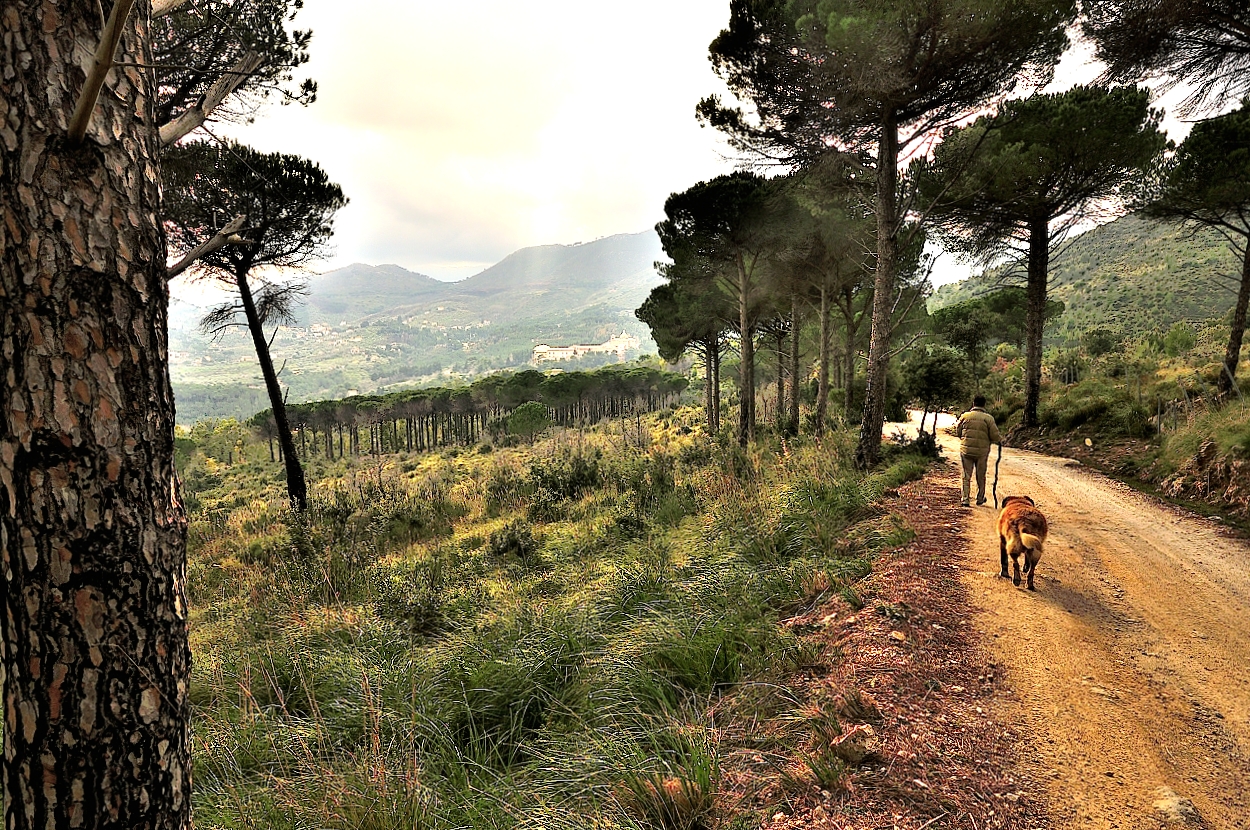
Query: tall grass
{"x": 422, "y": 649}
{"x": 1227, "y": 426}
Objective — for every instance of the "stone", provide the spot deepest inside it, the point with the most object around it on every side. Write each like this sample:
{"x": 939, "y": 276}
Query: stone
{"x": 1175, "y": 808}
{"x": 855, "y": 744}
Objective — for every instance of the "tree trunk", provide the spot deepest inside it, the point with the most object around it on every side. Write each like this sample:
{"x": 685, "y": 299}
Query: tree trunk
{"x": 716, "y": 355}
{"x": 707, "y": 348}
{"x": 794, "y": 364}
{"x": 296, "y": 489}
{"x": 1232, "y": 355}
{"x": 781, "y": 382}
{"x": 869, "y": 447}
{"x": 92, "y": 531}
{"x": 1034, "y": 320}
{"x": 848, "y": 370}
{"x": 746, "y": 367}
{"x": 822, "y": 375}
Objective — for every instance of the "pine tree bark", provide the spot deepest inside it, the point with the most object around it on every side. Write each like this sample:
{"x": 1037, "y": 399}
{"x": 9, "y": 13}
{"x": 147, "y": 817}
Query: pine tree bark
{"x": 781, "y": 381}
{"x": 848, "y": 365}
{"x": 795, "y": 314}
{"x": 746, "y": 367}
{"x": 716, "y": 355}
{"x": 822, "y": 376}
{"x": 93, "y": 534}
{"x": 1035, "y": 316}
{"x": 1232, "y": 354}
{"x": 706, "y": 347}
{"x": 869, "y": 447}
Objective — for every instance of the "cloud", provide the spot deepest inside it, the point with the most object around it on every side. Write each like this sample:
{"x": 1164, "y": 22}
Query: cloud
{"x": 463, "y": 132}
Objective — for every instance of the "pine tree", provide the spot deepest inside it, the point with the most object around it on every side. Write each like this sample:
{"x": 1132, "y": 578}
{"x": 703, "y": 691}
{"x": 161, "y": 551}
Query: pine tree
{"x": 1018, "y": 181}
{"x": 871, "y": 77}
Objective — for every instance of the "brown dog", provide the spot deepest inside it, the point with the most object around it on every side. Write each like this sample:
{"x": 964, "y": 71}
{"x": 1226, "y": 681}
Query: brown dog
{"x": 1021, "y": 529}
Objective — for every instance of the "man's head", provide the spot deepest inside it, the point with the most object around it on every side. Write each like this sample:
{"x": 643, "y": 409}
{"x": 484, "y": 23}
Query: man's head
{"x": 979, "y": 400}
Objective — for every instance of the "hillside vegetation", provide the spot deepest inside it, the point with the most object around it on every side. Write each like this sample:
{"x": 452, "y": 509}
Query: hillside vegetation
{"x": 1133, "y": 276}
{"x": 436, "y": 417}
{"x": 560, "y": 635}
{"x": 1150, "y": 410}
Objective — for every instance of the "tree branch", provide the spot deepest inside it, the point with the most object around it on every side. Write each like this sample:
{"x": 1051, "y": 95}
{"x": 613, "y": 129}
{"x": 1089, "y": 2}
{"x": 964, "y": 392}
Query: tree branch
{"x": 100, "y": 67}
{"x": 212, "y": 99}
{"x": 915, "y": 339}
{"x": 228, "y": 235}
{"x": 185, "y": 68}
{"x": 160, "y": 8}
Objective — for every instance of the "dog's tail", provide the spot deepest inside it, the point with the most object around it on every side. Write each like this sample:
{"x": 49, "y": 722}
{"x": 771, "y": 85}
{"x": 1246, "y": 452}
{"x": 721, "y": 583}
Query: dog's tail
{"x": 1032, "y": 544}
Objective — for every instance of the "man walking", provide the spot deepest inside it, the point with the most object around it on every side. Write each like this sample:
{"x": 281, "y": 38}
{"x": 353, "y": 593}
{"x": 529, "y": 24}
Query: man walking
{"x": 976, "y": 431}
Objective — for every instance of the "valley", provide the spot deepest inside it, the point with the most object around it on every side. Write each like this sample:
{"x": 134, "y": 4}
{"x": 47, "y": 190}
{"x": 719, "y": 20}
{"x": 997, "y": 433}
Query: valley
{"x": 365, "y": 329}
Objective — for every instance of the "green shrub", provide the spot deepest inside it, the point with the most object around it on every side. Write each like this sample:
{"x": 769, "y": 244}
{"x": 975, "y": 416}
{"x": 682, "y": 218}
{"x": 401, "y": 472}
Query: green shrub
{"x": 513, "y": 540}
{"x": 505, "y": 489}
{"x": 414, "y": 596}
{"x": 545, "y": 506}
{"x": 641, "y": 587}
{"x": 647, "y": 479}
{"x": 816, "y": 513}
{"x": 1179, "y": 340}
{"x": 528, "y": 419}
{"x": 1132, "y": 420}
{"x": 1099, "y": 408}
{"x": 695, "y": 454}
{"x": 499, "y": 693}
{"x": 684, "y": 657}
{"x": 265, "y": 550}
{"x": 567, "y": 476}
{"x": 671, "y": 507}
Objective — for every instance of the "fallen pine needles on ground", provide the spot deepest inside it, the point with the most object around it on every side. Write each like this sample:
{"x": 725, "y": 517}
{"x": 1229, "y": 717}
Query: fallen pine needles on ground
{"x": 906, "y": 714}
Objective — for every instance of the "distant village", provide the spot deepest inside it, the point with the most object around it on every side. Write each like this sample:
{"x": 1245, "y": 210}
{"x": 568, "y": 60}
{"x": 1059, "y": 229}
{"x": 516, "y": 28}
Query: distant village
{"x": 617, "y": 345}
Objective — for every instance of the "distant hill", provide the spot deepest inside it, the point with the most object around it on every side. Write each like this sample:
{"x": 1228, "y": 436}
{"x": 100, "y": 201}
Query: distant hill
{"x": 1132, "y": 275}
{"x": 366, "y": 328}
{"x": 531, "y": 284}
{"x": 615, "y": 271}
{"x": 359, "y": 290}
{"x": 584, "y": 274}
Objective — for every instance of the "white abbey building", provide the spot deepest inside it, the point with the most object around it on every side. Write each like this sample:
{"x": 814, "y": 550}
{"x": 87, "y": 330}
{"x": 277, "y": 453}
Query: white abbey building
{"x": 617, "y": 345}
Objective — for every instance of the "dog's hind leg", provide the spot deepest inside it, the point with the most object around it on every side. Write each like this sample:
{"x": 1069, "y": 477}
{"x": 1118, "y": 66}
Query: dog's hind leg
{"x": 1015, "y": 567}
{"x": 1030, "y": 565}
{"x": 1002, "y": 553}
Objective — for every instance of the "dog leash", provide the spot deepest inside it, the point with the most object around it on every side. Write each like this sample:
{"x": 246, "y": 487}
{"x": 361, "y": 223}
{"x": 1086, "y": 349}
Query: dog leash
{"x": 998, "y": 461}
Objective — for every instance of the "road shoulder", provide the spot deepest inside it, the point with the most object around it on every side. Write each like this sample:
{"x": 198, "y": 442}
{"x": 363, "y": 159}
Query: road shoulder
{"x": 944, "y": 754}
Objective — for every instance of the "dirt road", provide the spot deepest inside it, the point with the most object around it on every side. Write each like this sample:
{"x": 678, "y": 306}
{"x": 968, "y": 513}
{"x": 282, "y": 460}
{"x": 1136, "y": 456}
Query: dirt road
{"x": 1129, "y": 667}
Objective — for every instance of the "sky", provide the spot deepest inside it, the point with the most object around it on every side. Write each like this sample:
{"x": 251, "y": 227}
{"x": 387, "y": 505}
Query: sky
{"x": 464, "y": 132}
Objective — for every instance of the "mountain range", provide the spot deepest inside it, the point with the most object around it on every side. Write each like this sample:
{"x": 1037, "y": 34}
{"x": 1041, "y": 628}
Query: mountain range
{"x": 617, "y": 272}
{"x": 366, "y": 328}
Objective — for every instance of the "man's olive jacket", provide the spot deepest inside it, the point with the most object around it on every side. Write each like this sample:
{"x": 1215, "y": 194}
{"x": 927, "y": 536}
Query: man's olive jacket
{"x": 976, "y": 430}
